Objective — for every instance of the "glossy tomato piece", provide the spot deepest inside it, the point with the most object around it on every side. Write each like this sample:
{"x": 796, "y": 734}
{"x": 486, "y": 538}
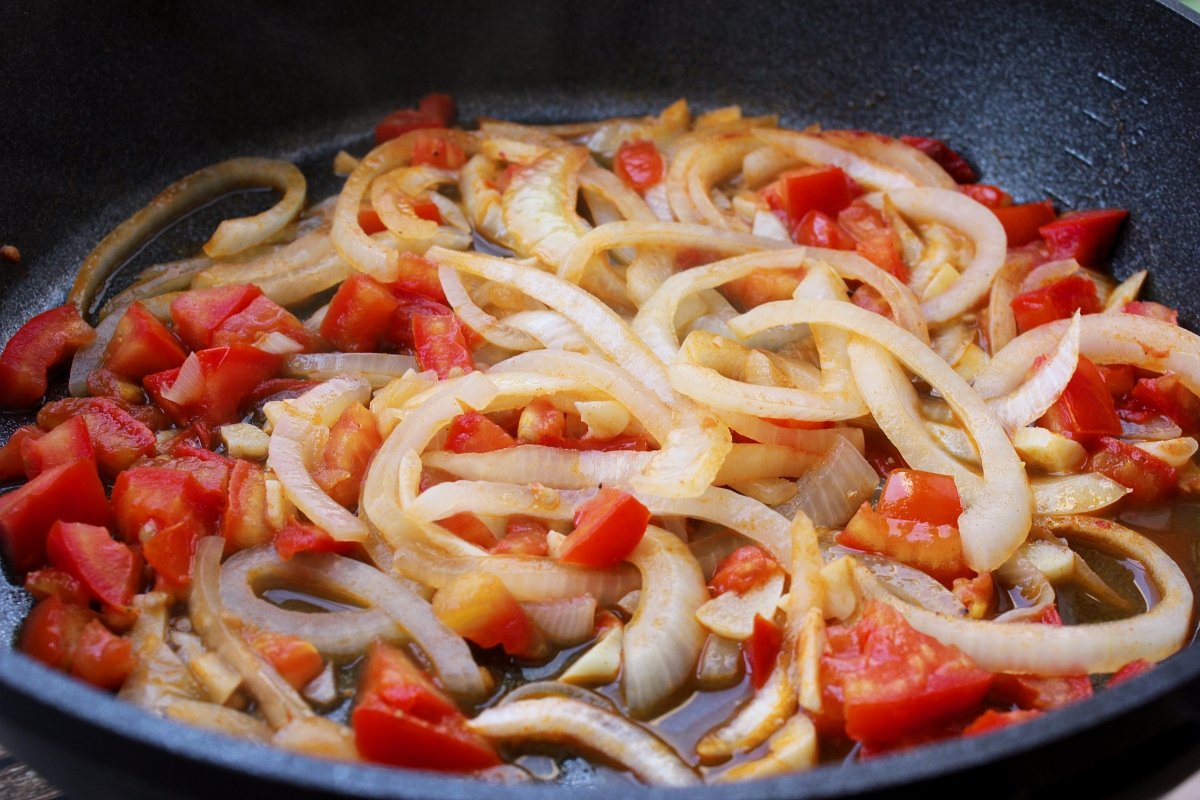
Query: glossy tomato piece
{"x": 261, "y": 317}
{"x": 639, "y": 164}
{"x": 141, "y": 345}
{"x": 472, "y": 432}
{"x": 1021, "y": 223}
{"x": 1059, "y": 300}
{"x": 441, "y": 346}
{"x": 211, "y": 470}
{"x": 761, "y": 650}
{"x": 1039, "y": 692}
{"x": 226, "y": 375}
{"x": 65, "y": 444}
{"x": 353, "y": 440}
{"x": 1129, "y": 672}
{"x": 71, "y": 492}
{"x": 933, "y": 548}
{"x": 51, "y": 582}
{"x": 51, "y": 632}
{"x": 607, "y": 529}
{"x": 402, "y": 719}
{"x": 359, "y": 314}
{"x": 1150, "y": 478}
{"x": 875, "y": 237}
{"x": 56, "y": 413}
{"x": 419, "y": 276}
{"x": 244, "y": 523}
{"x": 817, "y": 229}
{"x": 469, "y": 528}
{"x": 197, "y": 314}
{"x": 1085, "y": 410}
{"x": 301, "y": 537}
{"x": 824, "y": 189}
{"x": 295, "y": 659}
{"x": 479, "y": 607}
{"x": 107, "y": 569}
{"x": 102, "y": 658}
{"x": 992, "y": 720}
{"x": 39, "y": 345}
{"x": 438, "y": 105}
{"x": 985, "y": 194}
{"x": 524, "y": 536}
{"x": 1085, "y": 236}
{"x": 433, "y": 111}
{"x": 1167, "y": 395}
{"x": 12, "y": 462}
{"x": 149, "y": 499}
{"x": 921, "y": 497}
{"x": 947, "y": 159}
{"x": 436, "y": 151}
{"x": 541, "y": 422}
{"x": 1148, "y": 308}
{"x": 743, "y": 569}
{"x": 172, "y": 553}
{"x": 891, "y": 680}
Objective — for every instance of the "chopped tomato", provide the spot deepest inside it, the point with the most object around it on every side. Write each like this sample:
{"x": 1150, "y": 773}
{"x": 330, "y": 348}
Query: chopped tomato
{"x": 469, "y": 528}
{"x": 300, "y": 537}
{"x": 818, "y": 229}
{"x": 412, "y": 305}
{"x": 524, "y": 536}
{"x": 436, "y": 151}
{"x": 1147, "y": 308}
{"x": 102, "y": 658}
{"x": 1021, "y": 223}
{"x": 639, "y": 164}
{"x": 947, "y": 159}
{"x": 71, "y": 493}
{"x": 108, "y": 569}
{"x": 117, "y": 437}
{"x": 359, "y": 314}
{"x": 226, "y": 376}
{"x": 438, "y": 105}
{"x": 478, "y": 606}
{"x": 930, "y": 547}
{"x": 541, "y": 423}
{"x": 102, "y": 382}
{"x": 141, "y": 345}
{"x": 198, "y": 313}
{"x": 1119, "y": 379}
{"x": 1085, "y": 236}
{"x": 441, "y": 346}
{"x": 65, "y": 444}
{"x": 402, "y": 719}
{"x": 1129, "y": 672}
{"x": 51, "y": 632}
{"x": 1167, "y": 395}
{"x": 1037, "y": 691}
{"x": 295, "y": 659}
{"x": 261, "y": 317}
{"x": 1058, "y": 300}
{"x": 1150, "y": 478}
{"x": 353, "y": 439}
{"x": 607, "y": 529}
{"x": 985, "y": 194}
{"x": 921, "y": 497}
{"x": 472, "y": 432}
{"x": 172, "y": 553}
{"x": 211, "y": 470}
{"x": 761, "y": 650}
{"x": 762, "y": 286}
{"x": 1085, "y": 409}
{"x": 876, "y": 239}
{"x": 369, "y": 221}
{"x": 743, "y": 569}
{"x": 890, "y": 680}
{"x": 433, "y": 111}
{"x": 39, "y": 345}
{"x": 51, "y": 582}
{"x": 992, "y": 720}
{"x": 426, "y": 209}
{"x": 56, "y": 413}
{"x": 977, "y": 594}
{"x": 244, "y": 523}
{"x": 12, "y": 462}
{"x": 824, "y": 189}
{"x": 148, "y": 499}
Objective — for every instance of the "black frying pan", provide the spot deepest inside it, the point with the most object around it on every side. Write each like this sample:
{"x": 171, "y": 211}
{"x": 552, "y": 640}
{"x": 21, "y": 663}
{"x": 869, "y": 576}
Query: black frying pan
{"x": 1092, "y": 102}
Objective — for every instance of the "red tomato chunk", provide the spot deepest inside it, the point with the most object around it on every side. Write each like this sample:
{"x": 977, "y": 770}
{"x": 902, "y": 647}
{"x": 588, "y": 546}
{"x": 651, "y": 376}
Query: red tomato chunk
{"x": 607, "y": 529}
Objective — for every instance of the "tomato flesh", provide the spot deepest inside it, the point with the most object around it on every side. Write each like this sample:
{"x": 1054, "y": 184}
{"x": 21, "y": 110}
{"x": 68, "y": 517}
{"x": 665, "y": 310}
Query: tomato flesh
{"x": 1129, "y": 672}
{"x": 743, "y": 569}
{"x": 472, "y": 432}
{"x": 109, "y": 570}
{"x": 228, "y": 375}
{"x": 244, "y": 523}
{"x": 761, "y": 650}
{"x": 436, "y": 151}
{"x": 1167, "y": 395}
{"x": 141, "y": 345}
{"x": 607, "y": 529}
{"x": 66, "y": 444}
{"x": 524, "y": 536}
{"x": 39, "y": 345}
{"x": 102, "y": 658}
{"x": 12, "y": 460}
{"x": 1085, "y": 410}
{"x": 353, "y": 440}
{"x": 197, "y": 314}
{"x": 150, "y": 499}
{"x": 912, "y": 494}
{"x": 71, "y": 493}
{"x": 440, "y": 345}
{"x": 1021, "y": 222}
{"x": 479, "y": 607}
{"x": 947, "y": 159}
{"x": 932, "y": 548}
{"x": 817, "y": 229}
{"x": 639, "y": 164}
{"x": 298, "y": 537}
{"x": 1149, "y": 478}
{"x": 1085, "y": 236}
{"x": 295, "y": 659}
{"x": 1059, "y": 300}
{"x": 469, "y": 528}
{"x": 261, "y": 317}
{"x": 991, "y": 196}
{"x": 359, "y": 314}
{"x": 992, "y": 720}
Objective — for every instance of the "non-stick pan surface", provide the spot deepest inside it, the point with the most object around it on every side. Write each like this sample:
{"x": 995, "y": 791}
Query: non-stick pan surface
{"x": 1092, "y": 102}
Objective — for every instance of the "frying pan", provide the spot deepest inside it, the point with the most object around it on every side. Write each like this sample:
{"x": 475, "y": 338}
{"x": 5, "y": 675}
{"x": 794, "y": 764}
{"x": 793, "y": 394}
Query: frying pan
{"x": 1090, "y": 102}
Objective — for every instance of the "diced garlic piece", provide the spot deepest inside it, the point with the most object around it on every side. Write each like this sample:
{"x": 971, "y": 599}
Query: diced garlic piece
{"x": 1176, "y": 452}
{"x": 244, "y": 440}
{"x": 944, "y": 276}
{"x": 1048, "y": 451}
{"x": 768, "y": 226}
{"x": 604, "y": 418}
{"x": 279, "y": 507}
{"x": 841, "y": 590}
{"x": 1055, "y": 561}
{"x": 601, "y": 663}
{"x": 731, "y": 615}
{"x": 972, "y": 362}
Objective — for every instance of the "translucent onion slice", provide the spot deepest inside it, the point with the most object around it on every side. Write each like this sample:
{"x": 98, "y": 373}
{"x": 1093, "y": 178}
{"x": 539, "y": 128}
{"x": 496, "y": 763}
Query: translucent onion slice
{"x": 922, "y": 169}
{"x": 813, "y": 148}
{"x": 1105, "y": 339}
{"x": 377, "y": 369}
{"x": 792, "y": 749}
{"x": 554, "y": 467}
{"x": 731, "y": 614}
{"x": 482, "y": 200}
{"x": 1001, "y": 324}
{"x": 483, "y": 323}
{"x": 564, "y": 622}
{"x": 1126, "y": 292}
{"x": 831, "y": 491}
{"x": 292, "y": 437}
{"x": 550, "y": 328}
{"x": 1084, "y": 493}
{"x": 1033, "y": 398}
{"x": 188, "y": 386}
{"x": 998, "y": 509}
{"x": 911, "y": 585}
{"x": 663, "y": 640}
{"x": 235, "y": 235}
{"x": 564, "y": 720}
{"x": 539, "y": 206}
{"x": 91, "y": 355}
{"x": 1050, "y": 272}
{"x": 1030, "y": 647}
{"x": 725, "y": 395}
{"x": 810, "y": 441}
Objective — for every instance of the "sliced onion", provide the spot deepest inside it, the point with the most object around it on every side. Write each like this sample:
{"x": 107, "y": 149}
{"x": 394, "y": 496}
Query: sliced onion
{"x": 910, "y": 585}
{"x": 1050, "y": 272}
{"x": 188, "y": 386}
{"x": 377, "y": 369}
{"x": 483, "y": 323}
{"x": 288, "y": 275}
{"x": 1125, "y": 293}
{"x": 922, "y": 169}
{"x": 769, "y": 708}
{"x": 703, "y": 159}
{"x": 812, "y": 148}
{"x": 1075, "y": 494}
{"x": 278, "y": 344}
{"x": 832, "y": 490}
{"x": 91, "y": 356}
{"x": 714, "y": 390}
{"x": 554, "y": 467}
{"x": 792, "y": 749}
{"x": 731, "y": 614}
{"x": 810, "y": 441}
{"x": 564, "y": 622}
{"x": 235, "y": 235}
{"x": 550, "y": 328}
{"x": 1021, "y": 574}
{"x": 539, "y": 206}
{"x": 1033, "y": 398}
{"x": 1154, "y": 429}
{"x": 559, "y": 719}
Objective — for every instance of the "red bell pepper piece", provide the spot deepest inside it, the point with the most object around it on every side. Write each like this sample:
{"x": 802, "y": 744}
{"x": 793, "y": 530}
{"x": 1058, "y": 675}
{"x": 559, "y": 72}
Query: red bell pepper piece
{"x": 65, "y": 444}
{"x": 1085, "y": 410}
{"x": 141, "y": 345}
{"x": 227, "y": 376}
{"x": 1021, "y": 223}
{"x": 199, "y": 313}
{"x": 1058, "y": 300}
{"x": 44, "y": 342}
{"x": 71, "y": 492}
{"x": 639, "y": 164}
{"x": 607, "y": 529}
{"x": 1085, "y": 236}
{"x": 949, "y": 160}
{"x": 108, "y": 569}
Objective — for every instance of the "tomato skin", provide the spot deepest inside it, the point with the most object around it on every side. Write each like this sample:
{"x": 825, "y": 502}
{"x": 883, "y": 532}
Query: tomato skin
{"x": 402, "y": 719}
{"x": 991, "y": 196}
{"x": 1148, "y": 308}
{"x": 894, "y": 681}
{"x": 1059, "y": 300}
{"x": 229, "y": 374}
{"x": 141, "y": 345}
{"x": 102, "y": 658}
{"x": 875, "y": 237}
{"x": 607, "y": 529}
{"x": 639, "y": 164}
{"x": 1119, "y": 379}
{"x": 262, "y": 316}
{"x": 523, "y": 536}
{"x": 947, "y": 159}
{"x": 299, "y": 537}
{"x": 359, "y": 314}
{"x": 817, "y": 229}
{"x": 438, "y": 105}
{"x": 51, "y": 632}
{"x": 1150, "y": 478}
{"x": 1129, "y": 672}
{"x": 56, "y": 413}
{"x": 469, "y": 528}
{"x": 12, "y": 462}
{"x": 992, "y": 720}
{"x": 919, "y": 496}
{"x": 743, "y": 569}
{"x": 1167, "y": 395}
{"x": 117, "y": 437}
{"x": 433, "y": 111}
{"x": 1021, "y": 223}
{"x": 71, "y": 492}
{"x": 479, "y": 607}
{"x": 51, "y": 582}
{"x": 440, "y": 345}
{"x": 106, "y": 568}
{"x": 295, "y": 659}
{"x": 824, "y": 189}
{"x": 761, "y": 650}
{"x": 436, "y": 151}
{"x": 353, "y": 440}
{"x": 244, "y": 523}
{"x": 932, "y": 548}
{"x": 198, "y": 313}
{"x": 472, "y": 432}
{"x": 1085, "y": 410}
{"x": 1085, "y": 236}
{"x": 40, "y": 344}
{"x": 211, "y": 470}
{"x": 64, "y": 444}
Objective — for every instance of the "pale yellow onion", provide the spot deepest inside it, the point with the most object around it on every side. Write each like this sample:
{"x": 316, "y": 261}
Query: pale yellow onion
{"x": 1029, "y": 401}
{"x": 791, "y": 749}
{"x": 1048, "y": 273}
{"x": 1084, "y": 493}
{"x": 565, "y": 720}
{"x": 1126, "y": 292}
{"x": 812, "y": 148}
{"x": 555, "y": 467}
{"x": 833, "y": 489}
{"x": 377, "y": 369}
{"x": 731, "y": 614}
{"x": 539, "y": 206}
{"x": 998, "y": 510}
{"x": 483, "y": 323}
{"x": 922, "y": 169}
{"x": 550, "y": 328}
{"x": 564, "y": 622}
{"x": 724, "y": 395}
{"x": 482, "y": 200}
{"x": 1001, "y": 324}
{"x": 703, "y": 160}
{"x": 397, "y": 211}
{"x": 810, "y": 441}
{"x": 663, "y": 640}
{"x": 235, "y": 235}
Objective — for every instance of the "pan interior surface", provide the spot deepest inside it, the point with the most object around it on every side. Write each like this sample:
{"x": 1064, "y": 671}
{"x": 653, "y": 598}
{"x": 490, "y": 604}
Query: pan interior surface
{"x": 1088, "y": 103}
